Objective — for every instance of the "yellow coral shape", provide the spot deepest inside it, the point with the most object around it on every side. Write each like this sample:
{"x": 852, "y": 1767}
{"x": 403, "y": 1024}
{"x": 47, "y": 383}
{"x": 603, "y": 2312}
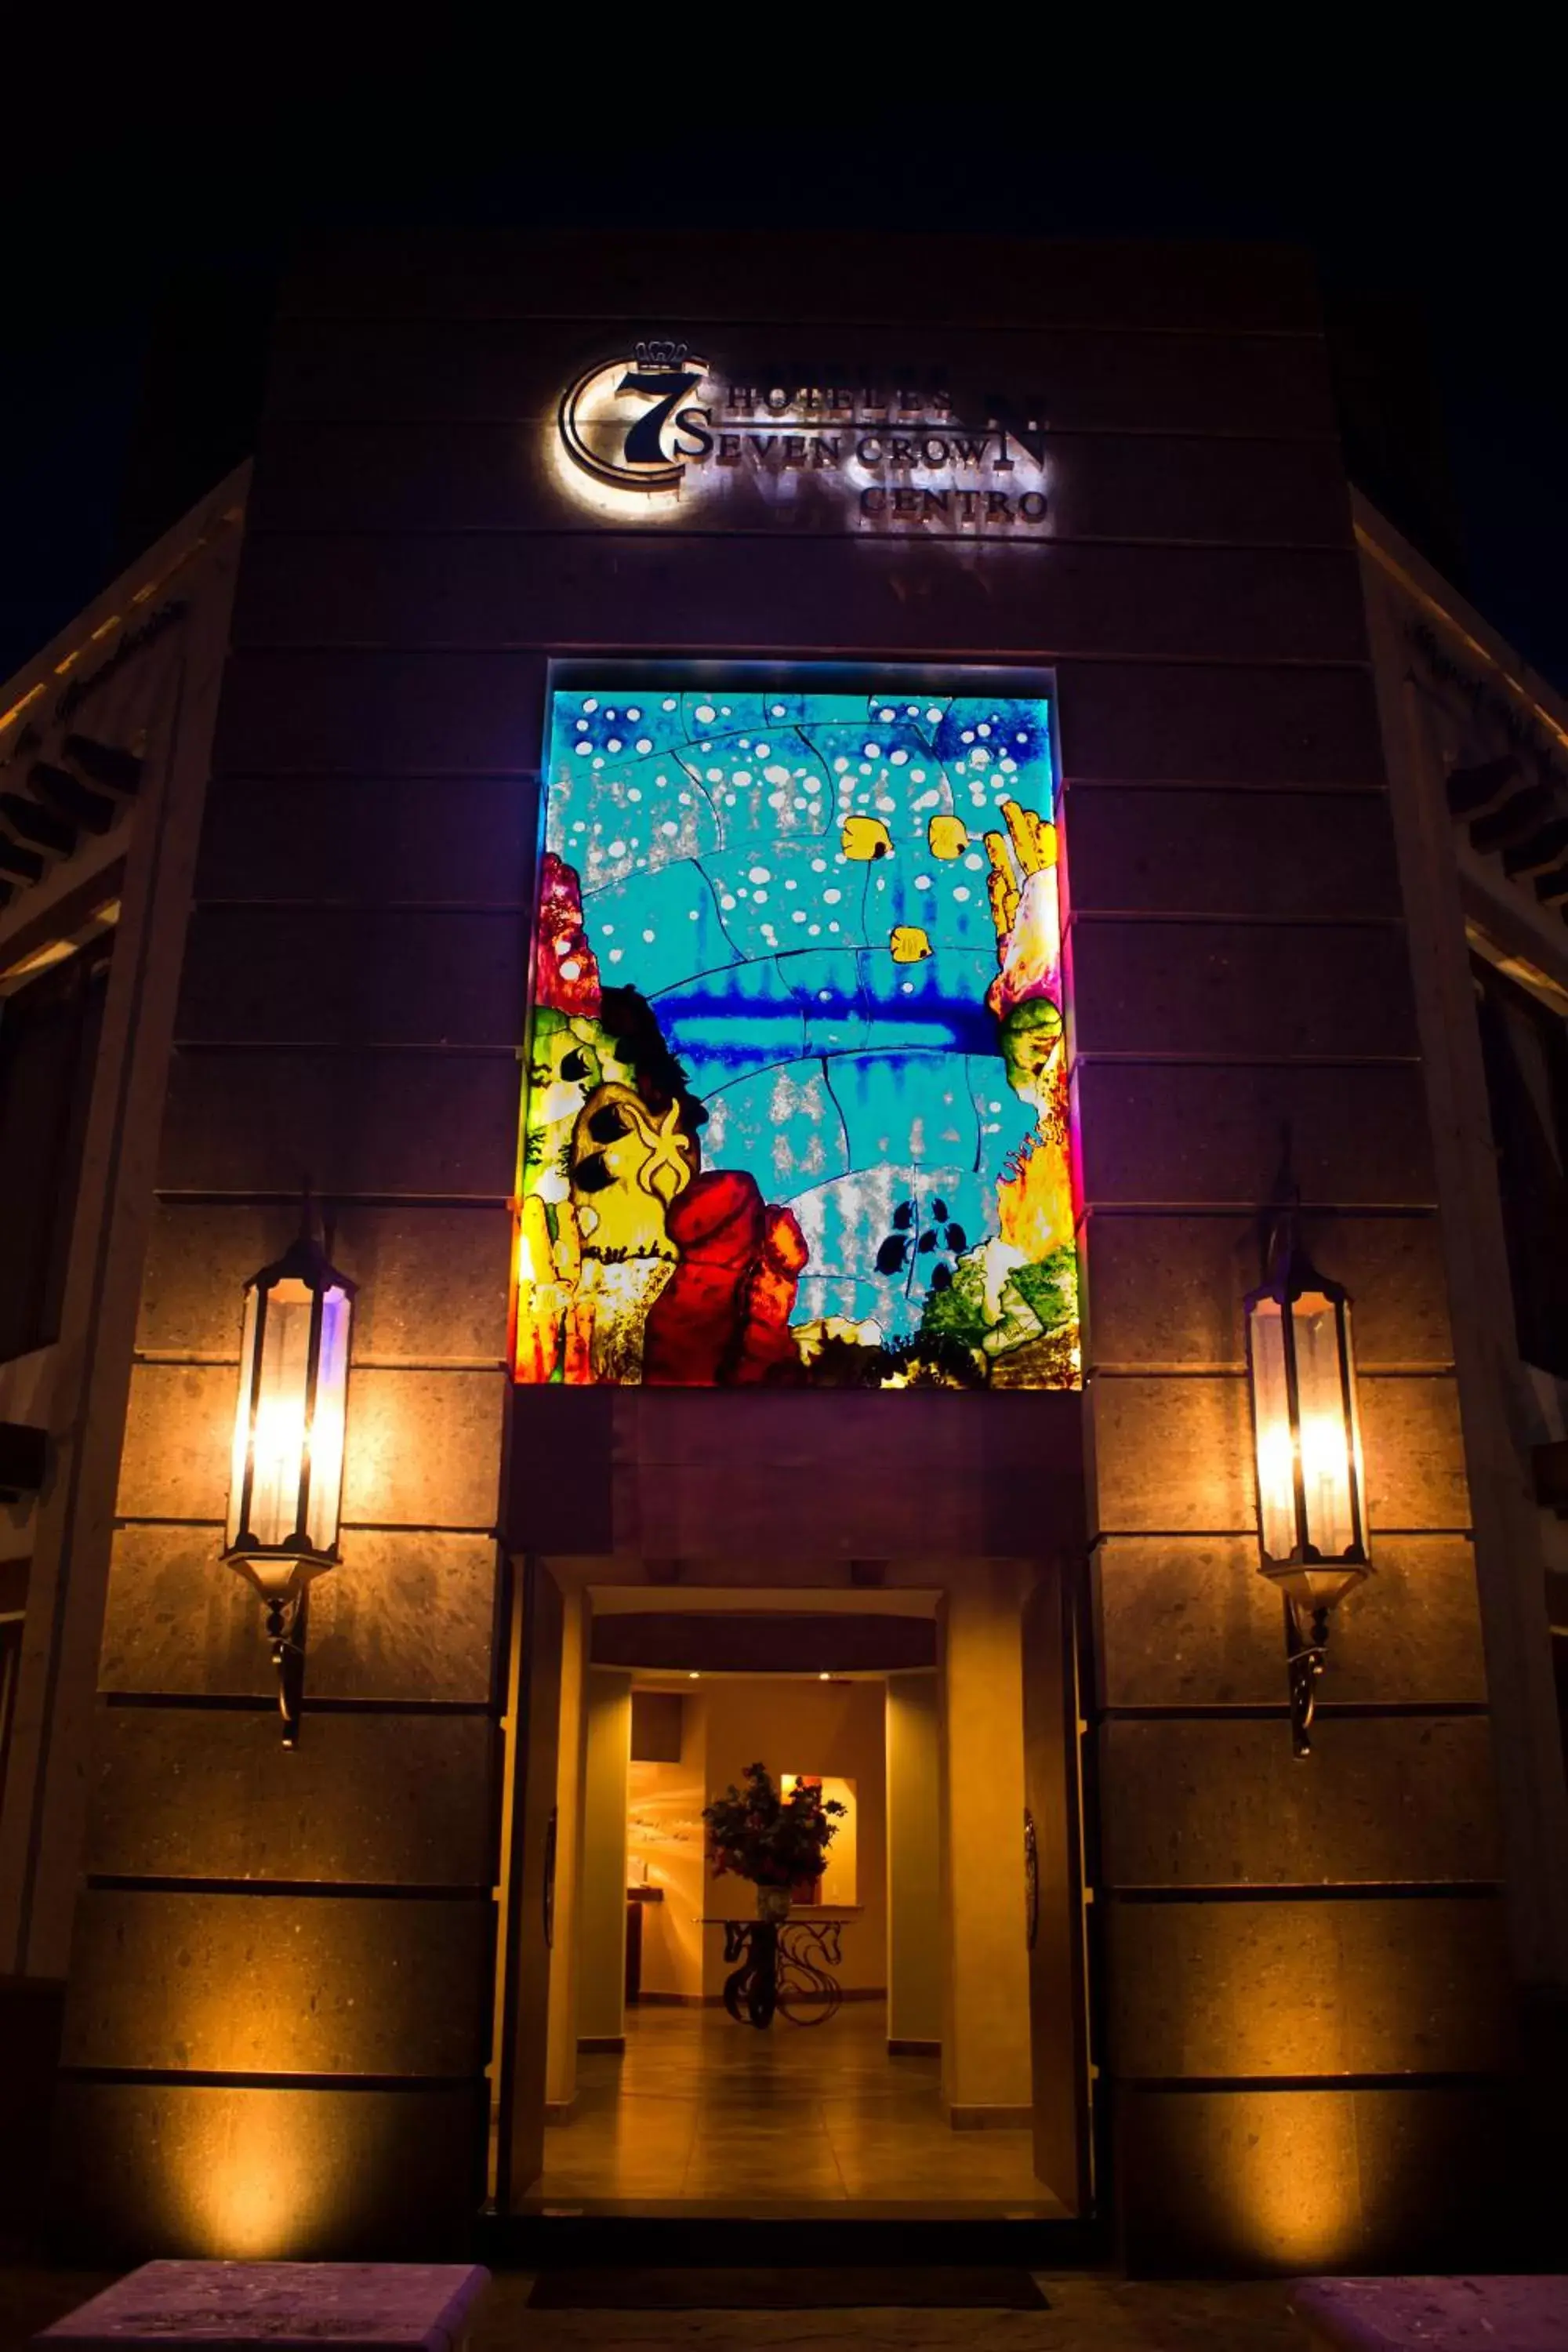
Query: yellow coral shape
{"x": 947, "y": 836}
{"x": 909, "y": 943}
{"x": 865, "y": 837}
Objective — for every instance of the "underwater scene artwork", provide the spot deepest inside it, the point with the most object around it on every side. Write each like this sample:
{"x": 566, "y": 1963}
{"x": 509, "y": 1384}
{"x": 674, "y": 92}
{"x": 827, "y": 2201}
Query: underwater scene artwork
{"x": 796, "y": 1108}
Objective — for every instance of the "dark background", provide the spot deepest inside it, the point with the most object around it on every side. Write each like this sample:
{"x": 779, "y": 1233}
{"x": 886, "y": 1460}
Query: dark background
{"x": 146, "y": 234}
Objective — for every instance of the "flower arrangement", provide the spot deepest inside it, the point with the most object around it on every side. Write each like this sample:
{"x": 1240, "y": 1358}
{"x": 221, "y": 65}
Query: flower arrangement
{"x": 779, "y": 1842}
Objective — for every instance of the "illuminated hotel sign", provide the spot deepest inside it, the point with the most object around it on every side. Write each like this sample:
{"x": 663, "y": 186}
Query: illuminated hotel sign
{"x": 644, "y": 435}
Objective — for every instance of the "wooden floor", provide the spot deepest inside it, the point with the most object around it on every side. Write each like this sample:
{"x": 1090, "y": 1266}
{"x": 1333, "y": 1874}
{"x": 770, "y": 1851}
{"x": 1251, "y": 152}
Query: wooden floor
{"x": 700, "y": 2111}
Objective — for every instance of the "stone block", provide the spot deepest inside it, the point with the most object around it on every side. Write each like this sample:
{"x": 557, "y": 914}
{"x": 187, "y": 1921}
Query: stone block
{"x": 510, "y": 590}
{"x": 330, "y": 474}
{"x": 377, "y": 1800}
{"x": 1196, "y": 723}
{"x": 1188, "y": 1621}
{"x": 1275, "y": 990}
{"x": 289, "y": 2306}
{"x": 1166, "y": 1292}
{"x": 1253, "y": 2180}
{"x": 437, "y": 840}
{"x": 1414, "y": 1453}
{"x": 1174, "y": 1136}
{"x": 784, "y": 278}
{"x": 695, "y": 1474}
{"x": 1335, "y": 1987}
{"x": 1289, "y": 857}
{"x": 273, "y": 1984}
{"x": 179, "y": 1434}
{"x": 1211, "y": 1803}
{"x": 406, "y": 1616}
{"x": 493, "y": 371}
{"x": 433, "y": 1281}
{"x": 424, "y": 1448}
{"x": 1171, "y": 1454}
{"x": 355, "y": 975}
{"x": 356, "y": 713}
{"x": 384, "y": 1122}
{"x": 247, "y": 2173}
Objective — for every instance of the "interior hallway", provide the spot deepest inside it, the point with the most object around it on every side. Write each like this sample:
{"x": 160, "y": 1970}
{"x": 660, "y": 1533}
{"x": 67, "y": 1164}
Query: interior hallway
{"x": 701, "y": 2110}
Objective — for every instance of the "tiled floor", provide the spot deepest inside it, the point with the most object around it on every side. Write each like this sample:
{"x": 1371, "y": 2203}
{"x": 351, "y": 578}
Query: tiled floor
{"x": 701, "y": 2110}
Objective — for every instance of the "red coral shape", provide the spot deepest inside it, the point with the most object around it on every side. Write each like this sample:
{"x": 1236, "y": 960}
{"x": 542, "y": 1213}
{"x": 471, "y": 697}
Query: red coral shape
{"x": 722, "y": 1319}
{"x": 567, "y": 970}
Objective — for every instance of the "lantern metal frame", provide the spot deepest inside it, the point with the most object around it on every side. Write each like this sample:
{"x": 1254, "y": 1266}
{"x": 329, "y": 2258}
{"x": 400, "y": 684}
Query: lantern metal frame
{"x": 282, "y": 1573}
{"x": 1312, "y": 1582}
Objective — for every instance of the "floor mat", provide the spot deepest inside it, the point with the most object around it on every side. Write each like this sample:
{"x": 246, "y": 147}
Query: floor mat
{"x": 846, "y": 2288}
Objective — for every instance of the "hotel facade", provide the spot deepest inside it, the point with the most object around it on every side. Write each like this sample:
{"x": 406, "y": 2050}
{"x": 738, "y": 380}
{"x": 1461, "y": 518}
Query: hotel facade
{"x": 708, "y": 822}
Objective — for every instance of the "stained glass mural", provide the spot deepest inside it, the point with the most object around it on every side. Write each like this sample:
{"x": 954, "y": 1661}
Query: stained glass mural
{"x": 797, "y": 1109}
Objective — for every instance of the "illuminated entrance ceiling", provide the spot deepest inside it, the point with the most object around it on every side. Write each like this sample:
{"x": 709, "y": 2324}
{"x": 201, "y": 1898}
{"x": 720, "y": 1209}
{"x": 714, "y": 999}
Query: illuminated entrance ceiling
{"x": 796, "y": 1110}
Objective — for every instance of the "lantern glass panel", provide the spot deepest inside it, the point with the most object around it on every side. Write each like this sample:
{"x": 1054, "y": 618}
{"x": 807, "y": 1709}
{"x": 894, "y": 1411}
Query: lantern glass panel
{"x": 327, "y": 1431}
{"x": 242, "y": 1415}
{"x": 1322, "y": 1344}
{"x": 278, "y": 1456}
{"x": 1271, "y": 1429}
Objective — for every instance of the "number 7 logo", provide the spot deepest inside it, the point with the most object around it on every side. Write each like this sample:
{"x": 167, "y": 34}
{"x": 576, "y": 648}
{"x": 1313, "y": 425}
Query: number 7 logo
{"x": 629, "y": 451}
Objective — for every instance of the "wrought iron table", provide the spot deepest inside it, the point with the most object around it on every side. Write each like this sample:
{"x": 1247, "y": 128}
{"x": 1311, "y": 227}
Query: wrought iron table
{"x": 784, "y": 1966}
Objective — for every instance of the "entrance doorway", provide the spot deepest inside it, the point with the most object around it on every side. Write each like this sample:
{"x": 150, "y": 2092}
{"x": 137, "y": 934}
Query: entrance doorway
{"x": 928, "y": 2052}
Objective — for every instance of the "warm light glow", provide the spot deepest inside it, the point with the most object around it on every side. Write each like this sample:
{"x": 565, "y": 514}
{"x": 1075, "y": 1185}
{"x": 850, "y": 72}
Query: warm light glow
{"x": 1292, "y": 2186}
{"x": 278, "y": 1449}
{"x": 242, "y": 2198}
{"x": 287, "y": 1466}
{"x": 839, "y": 1883}
{"x": 1322, "y": 1444}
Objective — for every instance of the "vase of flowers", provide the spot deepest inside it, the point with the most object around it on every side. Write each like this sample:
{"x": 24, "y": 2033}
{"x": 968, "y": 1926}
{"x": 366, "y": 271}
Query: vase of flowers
{"x": 779, "y": 1842}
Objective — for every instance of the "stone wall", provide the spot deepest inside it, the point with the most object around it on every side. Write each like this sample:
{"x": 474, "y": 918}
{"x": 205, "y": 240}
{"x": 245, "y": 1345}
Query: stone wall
{"x": 1299, "y": 1965}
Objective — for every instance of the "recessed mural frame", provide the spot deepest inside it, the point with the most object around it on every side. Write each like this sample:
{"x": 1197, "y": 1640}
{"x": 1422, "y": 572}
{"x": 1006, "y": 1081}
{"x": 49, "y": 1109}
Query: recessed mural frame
{"x": 777, "y": 1148}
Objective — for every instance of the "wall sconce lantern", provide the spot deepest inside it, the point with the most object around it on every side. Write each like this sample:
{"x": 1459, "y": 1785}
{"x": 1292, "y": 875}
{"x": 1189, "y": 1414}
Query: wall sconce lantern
{"x": 286, "y": 1483}
{"x": 1312, "y": 1524}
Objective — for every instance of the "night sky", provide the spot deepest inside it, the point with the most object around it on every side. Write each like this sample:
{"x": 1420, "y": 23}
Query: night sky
{"x": 139, "y": 274}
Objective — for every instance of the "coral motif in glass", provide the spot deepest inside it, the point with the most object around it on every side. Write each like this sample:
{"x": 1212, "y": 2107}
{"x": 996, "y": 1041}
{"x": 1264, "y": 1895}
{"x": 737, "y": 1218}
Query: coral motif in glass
{"x": 796, "y": 1111}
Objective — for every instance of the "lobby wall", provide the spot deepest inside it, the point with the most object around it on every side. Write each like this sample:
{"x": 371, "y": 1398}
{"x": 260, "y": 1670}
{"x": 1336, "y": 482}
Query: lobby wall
{"x": 1301, "y": 1968}
{"x": 804, "y": 1726}
{"x": 914, "y": 1861}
